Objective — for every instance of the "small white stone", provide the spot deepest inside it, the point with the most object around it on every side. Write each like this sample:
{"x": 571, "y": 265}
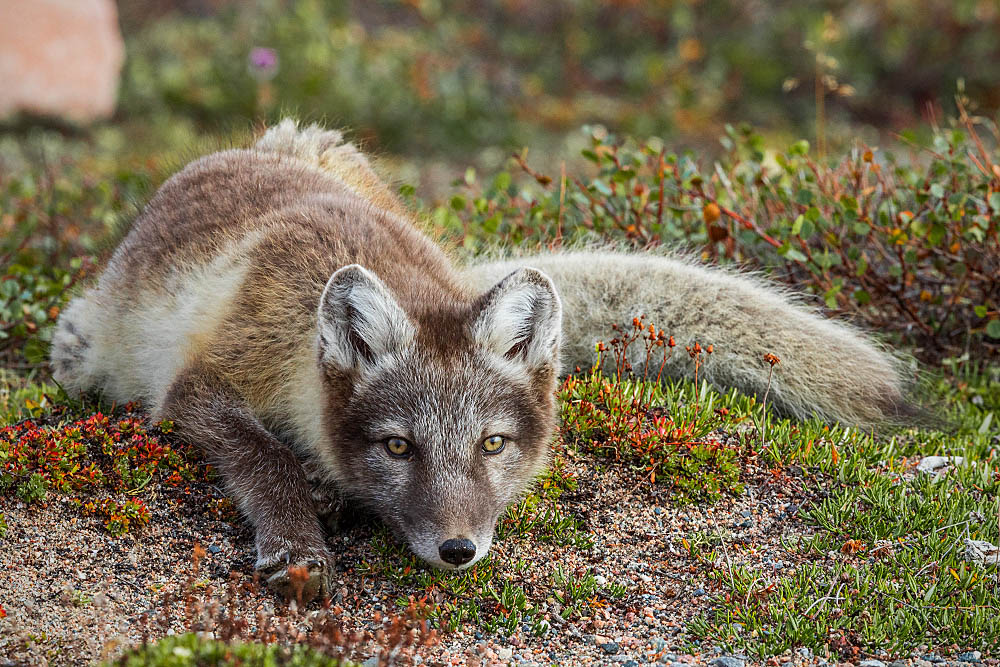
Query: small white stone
{"x": 982, "y": 552}
{"x": 933, "y": 465}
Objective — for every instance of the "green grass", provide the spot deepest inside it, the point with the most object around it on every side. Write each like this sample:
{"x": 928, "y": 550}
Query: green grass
{"x": 886, "y": 565}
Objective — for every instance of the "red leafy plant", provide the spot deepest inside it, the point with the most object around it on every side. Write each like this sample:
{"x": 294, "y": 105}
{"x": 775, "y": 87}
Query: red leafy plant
{"x": 623, "y": 416}
{"x": 99, "y": 462}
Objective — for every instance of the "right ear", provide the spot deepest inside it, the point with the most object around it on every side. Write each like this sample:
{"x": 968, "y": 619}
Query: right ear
{"x": 360, "y": 321}
{"x": 521, "y": 319}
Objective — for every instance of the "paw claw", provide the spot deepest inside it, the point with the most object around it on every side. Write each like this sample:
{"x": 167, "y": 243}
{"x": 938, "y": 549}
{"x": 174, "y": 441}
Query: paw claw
{"x": 304, "y": 580}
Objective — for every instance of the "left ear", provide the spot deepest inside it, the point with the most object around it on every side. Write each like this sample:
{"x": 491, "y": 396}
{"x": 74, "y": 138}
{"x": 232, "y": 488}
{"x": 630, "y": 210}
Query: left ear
{"x": 520, "y": 319}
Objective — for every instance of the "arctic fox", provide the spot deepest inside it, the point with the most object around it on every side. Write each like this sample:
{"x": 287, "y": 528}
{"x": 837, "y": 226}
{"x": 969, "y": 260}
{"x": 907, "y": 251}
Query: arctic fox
{"x": 279, "y": 303}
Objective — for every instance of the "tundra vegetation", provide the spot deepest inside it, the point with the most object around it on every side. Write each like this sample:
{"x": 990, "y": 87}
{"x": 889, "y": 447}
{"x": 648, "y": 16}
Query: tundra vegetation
{"x": 897, "y": 231}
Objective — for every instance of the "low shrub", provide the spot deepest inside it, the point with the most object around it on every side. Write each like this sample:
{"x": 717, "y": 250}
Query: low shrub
{"x": 909, "y": 246}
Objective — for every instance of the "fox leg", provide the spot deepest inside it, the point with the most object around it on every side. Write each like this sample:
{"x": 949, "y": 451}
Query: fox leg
{"x": 262, "y": 475}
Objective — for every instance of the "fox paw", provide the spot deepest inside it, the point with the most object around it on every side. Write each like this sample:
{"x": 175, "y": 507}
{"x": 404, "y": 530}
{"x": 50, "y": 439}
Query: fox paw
{"x": 301, "y": 579}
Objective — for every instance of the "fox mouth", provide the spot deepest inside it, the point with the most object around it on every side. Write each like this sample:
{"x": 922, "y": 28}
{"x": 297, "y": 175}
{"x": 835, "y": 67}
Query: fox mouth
{"x": 441, "y": 565}
{"x": 435, "y": 551}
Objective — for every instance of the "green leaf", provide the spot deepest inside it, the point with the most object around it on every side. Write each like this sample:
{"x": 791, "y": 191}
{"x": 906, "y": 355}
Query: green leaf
{"x": 788, "y": 252}
{"x": 831, "y": 296}
{"x": 980, "y": 311}
{"x": 993, "y": 329}
{"x": 936, "y": 234}
{"x": 797, "y": 225}
{"x": 502, "y": 181}
{"x": 807, "y": 229}
{"x": 985, "y": 426}
{"x": 800, "y": 147}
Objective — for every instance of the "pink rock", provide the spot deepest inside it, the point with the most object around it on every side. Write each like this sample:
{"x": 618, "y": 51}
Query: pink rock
{"x": 59, "y": 58}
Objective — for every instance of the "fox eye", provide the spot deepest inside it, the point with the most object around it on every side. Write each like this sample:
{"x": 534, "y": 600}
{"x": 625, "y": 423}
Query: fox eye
{"x": 398, "y": 448}
{"x": 494, "y": 444}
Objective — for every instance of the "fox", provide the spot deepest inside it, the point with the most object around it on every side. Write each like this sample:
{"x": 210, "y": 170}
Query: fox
{"x": 282, "y": 305}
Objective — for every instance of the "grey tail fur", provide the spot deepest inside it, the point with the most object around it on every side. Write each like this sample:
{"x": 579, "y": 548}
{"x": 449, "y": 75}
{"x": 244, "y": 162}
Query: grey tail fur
{"x": 71, "y": 353}
{"x": 827, "y": 368}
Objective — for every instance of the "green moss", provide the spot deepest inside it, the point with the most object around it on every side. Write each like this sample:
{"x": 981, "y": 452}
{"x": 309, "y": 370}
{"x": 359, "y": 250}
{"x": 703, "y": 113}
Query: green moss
{"x": 190, "y": 651}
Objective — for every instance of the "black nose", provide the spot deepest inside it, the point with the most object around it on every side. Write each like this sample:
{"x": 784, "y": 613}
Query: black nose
{"x": 457, "y": 552}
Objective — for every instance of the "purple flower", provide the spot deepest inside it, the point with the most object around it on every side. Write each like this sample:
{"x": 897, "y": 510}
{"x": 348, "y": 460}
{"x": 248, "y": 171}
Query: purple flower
{"x": 263, "y": 62}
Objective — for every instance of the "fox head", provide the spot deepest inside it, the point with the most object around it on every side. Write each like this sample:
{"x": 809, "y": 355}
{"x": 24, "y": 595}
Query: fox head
{"x": 442, "y": 417}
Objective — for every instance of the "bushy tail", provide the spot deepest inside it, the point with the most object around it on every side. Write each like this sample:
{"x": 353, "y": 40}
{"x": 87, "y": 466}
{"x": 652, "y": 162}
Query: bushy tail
{"x": 826, "y": 368}
{"x": 72, "y": 352}
{"x": 327, "y": 150}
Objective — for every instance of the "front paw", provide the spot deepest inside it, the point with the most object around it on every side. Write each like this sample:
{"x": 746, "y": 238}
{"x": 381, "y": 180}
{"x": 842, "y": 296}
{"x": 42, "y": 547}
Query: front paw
{"x": 300, "y": 578}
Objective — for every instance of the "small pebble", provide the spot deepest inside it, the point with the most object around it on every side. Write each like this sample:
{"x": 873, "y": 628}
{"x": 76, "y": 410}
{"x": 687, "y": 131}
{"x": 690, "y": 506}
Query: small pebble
{"x": 726, "y": 661}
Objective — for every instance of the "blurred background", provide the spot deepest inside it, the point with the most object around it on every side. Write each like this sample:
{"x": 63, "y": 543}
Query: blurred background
{"x": 740, "y": 129}
{"x": 468, "y": 81}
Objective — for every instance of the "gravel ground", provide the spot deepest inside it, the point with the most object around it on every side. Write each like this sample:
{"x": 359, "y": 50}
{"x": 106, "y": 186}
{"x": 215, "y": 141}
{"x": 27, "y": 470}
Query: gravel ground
{"x": 74, "y": 594}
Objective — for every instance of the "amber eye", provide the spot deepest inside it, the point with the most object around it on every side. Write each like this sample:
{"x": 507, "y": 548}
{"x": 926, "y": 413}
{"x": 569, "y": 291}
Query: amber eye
{"x": 494, "y": 444}
{"x": 398, "y": 447}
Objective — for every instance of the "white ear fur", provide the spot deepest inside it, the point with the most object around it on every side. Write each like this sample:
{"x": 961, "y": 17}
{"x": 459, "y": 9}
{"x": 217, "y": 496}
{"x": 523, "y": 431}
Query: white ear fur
{"x": 521, "y": 319}
{"x": 360, "y": 321}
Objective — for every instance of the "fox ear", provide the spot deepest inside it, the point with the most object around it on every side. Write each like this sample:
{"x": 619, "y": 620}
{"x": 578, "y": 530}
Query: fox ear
{"x": 521, "y": 319}
{"x": 360, "y": 321}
